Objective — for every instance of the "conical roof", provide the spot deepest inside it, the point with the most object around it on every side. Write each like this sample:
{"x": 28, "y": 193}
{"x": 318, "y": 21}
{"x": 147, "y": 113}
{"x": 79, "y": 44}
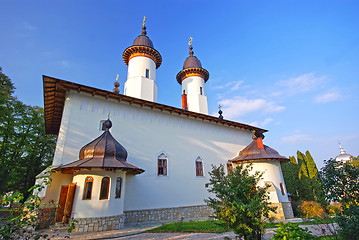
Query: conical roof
{"x": 103, "y": 152}
{"x": 256, "y": 151}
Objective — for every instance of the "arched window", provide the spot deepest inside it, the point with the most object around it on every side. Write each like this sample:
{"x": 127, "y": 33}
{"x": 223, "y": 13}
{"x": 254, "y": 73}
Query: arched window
{"x": 88, "y": 188}
{"x": 105, "y": 186}
{"x": 199, "y": 167}
{"x": 162, "y": 165}
{"x": 118, "y": 188}
{"x": 229, "y": 167}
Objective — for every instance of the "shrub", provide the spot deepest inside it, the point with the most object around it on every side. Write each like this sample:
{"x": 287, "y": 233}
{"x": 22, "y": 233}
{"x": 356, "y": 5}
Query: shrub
{"x": 348, "y": 222}
{"x": 311, "y": 209}
{"x": 239, "y": 201}
{"x": 334, "y": 208}
{"x": 290, "y": 231}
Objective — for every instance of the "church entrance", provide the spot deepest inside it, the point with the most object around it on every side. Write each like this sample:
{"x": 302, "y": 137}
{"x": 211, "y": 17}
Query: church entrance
{"x": 65, "y": 203}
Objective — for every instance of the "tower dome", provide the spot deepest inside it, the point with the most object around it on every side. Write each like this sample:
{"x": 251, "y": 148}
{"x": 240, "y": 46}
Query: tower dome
{"x": 142, "y": 46}
{"x": 257, "y": 151}
{"x": 192, "y": 67}
{"x": 343, "y": 157}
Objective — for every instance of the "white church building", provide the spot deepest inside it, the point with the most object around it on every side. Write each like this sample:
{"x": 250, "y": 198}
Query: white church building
{"x": 126, "y": 158}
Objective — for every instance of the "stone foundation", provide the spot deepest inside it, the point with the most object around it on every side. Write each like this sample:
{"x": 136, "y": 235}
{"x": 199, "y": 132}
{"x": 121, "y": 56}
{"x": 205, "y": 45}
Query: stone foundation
{"x": 168, "y": 214}
{"x": 283, "y": 211}
{"x": 99, "y": 224}
{"x": 287, "y": 209}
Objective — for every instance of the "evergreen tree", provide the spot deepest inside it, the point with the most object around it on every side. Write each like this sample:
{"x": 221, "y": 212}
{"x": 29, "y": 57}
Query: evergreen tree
{"x": 302, "y": 179}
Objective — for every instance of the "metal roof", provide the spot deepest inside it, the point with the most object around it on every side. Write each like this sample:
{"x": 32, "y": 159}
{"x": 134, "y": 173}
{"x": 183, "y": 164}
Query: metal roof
{"x": 103, "y": 152}
{"x": 55, "y": 91}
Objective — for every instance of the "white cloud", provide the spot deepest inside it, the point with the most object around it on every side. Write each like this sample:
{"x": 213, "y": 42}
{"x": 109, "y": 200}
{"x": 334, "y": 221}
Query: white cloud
{"x": 231, "y": 86}
{"x": 301, "y": 84}
{"x": 239, "y": 106}
{"x": 262, "y": 123}
{"x": 329, "y": 96}
{"x": 297, "y": 138}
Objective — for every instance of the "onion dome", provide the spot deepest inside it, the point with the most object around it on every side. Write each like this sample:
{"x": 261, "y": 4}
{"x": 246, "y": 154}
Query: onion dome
{"x": 343, "y": 156}
{"x": 192, "y": 67}
{"x": 142, "y": 46}
{"x": 256, "y": 151}
{"x": 103, "y": 152}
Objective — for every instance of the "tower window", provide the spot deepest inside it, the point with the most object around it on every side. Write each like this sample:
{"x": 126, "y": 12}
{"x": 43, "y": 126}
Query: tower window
{"x": 199, "y": 167}
{"x": 147, "y": 73}
{"x": 201, "y": 90}
{"x": 162, "y": 167}
{"x": 102, "y": 128}
{"x": 105, "y": 186}
{"x": 88, "y": 188}
{"x": 118, "y": 188}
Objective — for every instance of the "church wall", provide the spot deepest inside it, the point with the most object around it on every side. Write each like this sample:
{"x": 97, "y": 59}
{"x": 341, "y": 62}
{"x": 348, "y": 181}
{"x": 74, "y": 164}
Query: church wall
{"x": 146, "y": 133}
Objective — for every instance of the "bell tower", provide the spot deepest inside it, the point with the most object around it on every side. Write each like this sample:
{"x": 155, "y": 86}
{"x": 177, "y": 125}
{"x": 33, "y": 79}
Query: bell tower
{"x": 193, "y": 78}
{"x": 142, "y": 61}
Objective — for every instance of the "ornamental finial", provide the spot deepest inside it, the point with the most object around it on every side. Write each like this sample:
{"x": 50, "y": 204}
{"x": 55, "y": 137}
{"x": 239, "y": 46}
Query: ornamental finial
{"x": 116, "y": 84}
{"x": 190, "y": 46}
{"x": 143, "y": 32}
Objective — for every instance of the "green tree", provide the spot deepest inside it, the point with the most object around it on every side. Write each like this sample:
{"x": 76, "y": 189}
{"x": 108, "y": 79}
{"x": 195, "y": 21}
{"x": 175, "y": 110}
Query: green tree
{"x": 341, "y": 184}
{"x": 238, "y": 200}
{"x": 302, "y": 178}
{"x": 25, "y": 149}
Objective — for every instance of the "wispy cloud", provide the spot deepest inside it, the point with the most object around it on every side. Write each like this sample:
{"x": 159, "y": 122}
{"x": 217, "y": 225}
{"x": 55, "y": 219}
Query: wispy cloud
{"x": 29, "y": 27}
{"x": 231, "y": 86}
{"x": 64, "y": 63}
{"x": 262, "y": 123}
{"x": 297, "y": 138}
{"x": 300, "y": 84}
{"x": 330, "y": 96}
{"x": 236, "y": 107}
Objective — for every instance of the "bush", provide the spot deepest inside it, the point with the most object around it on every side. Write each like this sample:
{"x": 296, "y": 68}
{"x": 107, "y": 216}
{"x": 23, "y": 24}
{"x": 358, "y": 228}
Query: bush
{"x": 238, "y": 201}
{"x": 311, "y": 209}
{"x": 290, "y": 231}
{"x": 348, "y": 222}
{"x": 334, "y": 208}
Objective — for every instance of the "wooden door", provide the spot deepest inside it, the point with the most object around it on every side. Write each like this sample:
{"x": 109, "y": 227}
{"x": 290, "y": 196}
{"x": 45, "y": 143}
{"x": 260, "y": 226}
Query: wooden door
{"x": 69, "y": 202}
{"x": 61, "y": 203}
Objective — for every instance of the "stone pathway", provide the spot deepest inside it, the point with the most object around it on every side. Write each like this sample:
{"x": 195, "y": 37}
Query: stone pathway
{"x": 136, "y": 232}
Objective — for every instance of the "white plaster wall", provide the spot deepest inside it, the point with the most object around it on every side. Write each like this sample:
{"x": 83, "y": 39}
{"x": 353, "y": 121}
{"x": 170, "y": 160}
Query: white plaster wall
{"x": 140, "y": 87}
{"x": 145, "y": 133}
{"x": 195, "y": 101}
{"x": 53, "y": 190}
{"x": 137, "y": 85}
{"x": 96, "y": 207}
{"x": 272, "y": 172}
{"x": 137, "y": 67}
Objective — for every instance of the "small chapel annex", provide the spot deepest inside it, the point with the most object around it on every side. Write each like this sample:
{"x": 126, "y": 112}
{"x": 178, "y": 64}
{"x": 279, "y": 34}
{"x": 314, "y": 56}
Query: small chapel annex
{"x": 145, "y": 161}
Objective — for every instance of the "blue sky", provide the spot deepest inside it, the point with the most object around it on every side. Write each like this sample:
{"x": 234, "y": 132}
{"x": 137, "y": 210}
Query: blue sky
{"x": 291, "y": 67}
